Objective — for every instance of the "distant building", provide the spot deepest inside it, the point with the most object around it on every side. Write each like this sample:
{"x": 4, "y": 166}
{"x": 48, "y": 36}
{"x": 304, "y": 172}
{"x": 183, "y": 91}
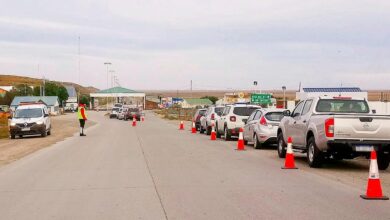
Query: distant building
{"x": 52, "y": 102}
{"x": 353, "y": 92}
{"x": 152, "y": 103}
{"x": 195, "y": 103}
{"x": 72, "y": 101}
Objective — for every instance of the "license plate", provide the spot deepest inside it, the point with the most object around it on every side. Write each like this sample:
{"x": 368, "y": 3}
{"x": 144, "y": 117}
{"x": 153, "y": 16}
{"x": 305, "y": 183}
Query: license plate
{"x": 25, "y": 129}
{"x": 364, "y": 148}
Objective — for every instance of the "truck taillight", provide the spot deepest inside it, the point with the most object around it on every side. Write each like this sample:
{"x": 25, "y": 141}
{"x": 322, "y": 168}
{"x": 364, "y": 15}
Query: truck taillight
{"x": 212, "y": 116}
{"x": 263, "y": 121}
{"x": 233, "y": 118}
{"x": 329, "y": 127}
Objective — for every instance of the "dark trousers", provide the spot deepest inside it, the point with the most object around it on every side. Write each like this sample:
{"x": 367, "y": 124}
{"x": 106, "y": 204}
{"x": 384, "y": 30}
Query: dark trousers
{"x": 82, "y": 123}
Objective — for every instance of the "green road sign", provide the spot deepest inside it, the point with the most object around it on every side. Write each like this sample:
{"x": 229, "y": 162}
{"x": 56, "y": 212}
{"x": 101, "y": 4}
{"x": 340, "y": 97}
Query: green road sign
{"x": 261, "y": 99}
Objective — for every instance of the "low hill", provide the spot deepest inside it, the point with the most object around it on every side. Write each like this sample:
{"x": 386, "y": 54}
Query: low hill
{"x": 12, "y": 80}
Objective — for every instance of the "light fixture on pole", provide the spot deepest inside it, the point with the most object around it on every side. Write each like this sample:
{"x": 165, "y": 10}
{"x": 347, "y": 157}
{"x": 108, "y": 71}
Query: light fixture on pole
{"x": 284, "y": 96}
{"x": 107, "y": 64}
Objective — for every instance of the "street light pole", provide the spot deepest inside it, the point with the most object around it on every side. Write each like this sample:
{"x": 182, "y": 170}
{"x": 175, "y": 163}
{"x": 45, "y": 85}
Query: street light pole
{"x": 107, "y": 64}
{"x": 284, "y": 96}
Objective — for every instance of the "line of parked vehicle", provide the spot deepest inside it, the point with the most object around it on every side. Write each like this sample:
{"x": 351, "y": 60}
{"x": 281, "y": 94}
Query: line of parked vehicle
{"x": 325, "y": 128}
{"x": 124, "y": 112}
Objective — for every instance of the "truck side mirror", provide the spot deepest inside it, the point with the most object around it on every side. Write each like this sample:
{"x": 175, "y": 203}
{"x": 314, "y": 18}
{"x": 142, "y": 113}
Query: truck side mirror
{"x": 287, "y": 113}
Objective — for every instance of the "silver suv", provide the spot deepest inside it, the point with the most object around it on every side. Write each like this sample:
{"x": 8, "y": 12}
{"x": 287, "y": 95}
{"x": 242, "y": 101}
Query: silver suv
{"x": 232, "y": 119}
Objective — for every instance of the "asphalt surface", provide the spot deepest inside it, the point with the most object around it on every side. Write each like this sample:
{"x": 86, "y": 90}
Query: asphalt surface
{"x": 155, "y": 171}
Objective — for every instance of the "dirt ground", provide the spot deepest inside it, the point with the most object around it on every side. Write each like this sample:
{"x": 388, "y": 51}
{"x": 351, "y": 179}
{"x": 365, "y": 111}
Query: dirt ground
{"x": 62, "y": 127}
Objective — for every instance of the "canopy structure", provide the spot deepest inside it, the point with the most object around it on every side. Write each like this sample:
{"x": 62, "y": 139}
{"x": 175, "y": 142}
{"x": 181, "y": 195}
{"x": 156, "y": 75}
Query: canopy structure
{"x": 120, "y": 93}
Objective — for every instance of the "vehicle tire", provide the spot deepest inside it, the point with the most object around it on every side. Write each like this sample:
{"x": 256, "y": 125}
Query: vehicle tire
{"x": 256, "y": 142}
{"x": 281, "y": 146}
{"x": 315, "y": 157}
{"x": 44, "y": 134}
{"x": 226, "y": 134}
{"x": 217, "y": 131}
{"x": 383, "y": 160}
{"x": 49, "y": 131}
{"x": 20, "y": 136}
{"x": 201, "y": 130}
{"x": 13, "y": 136}
{"x": 208, "y": 131}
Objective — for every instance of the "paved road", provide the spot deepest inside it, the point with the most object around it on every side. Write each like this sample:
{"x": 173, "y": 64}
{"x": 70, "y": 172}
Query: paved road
{"x": 154, "y": 171}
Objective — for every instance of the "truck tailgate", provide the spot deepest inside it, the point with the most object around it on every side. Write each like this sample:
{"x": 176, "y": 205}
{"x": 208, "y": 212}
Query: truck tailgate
{"x": 362, "y": 127}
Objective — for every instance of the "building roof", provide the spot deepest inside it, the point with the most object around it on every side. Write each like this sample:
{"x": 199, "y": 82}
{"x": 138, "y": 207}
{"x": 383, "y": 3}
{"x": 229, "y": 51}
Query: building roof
{"x": 116, "y": 90}
{"x": 49, "y": 100}
{"x": 194, "y": 101}
{"x": 71, "y": 91}
{"x": 341, "y": 89}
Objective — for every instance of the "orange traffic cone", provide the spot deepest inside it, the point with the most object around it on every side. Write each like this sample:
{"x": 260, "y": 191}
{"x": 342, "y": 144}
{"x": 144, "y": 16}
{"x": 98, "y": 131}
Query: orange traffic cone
{"x": 213, "y": 135}
{"x": 240, "y": 143}
{"x": 181, "y": 125}
{"x": 134, "y": 121}
{"x": 374, "y": 188}
{"x": 193, "y": 130}
{"x": 289, "y": 162}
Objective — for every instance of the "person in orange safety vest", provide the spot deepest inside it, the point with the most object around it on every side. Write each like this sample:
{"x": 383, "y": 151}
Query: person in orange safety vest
{"x": 82, "y": 115}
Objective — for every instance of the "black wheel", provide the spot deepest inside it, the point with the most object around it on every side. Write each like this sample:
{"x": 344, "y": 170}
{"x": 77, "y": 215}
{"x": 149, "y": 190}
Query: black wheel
{"x": 217, "y": 131}
{"x": 256, "y": 142}
{"x": 44, "y": 134}
{"x": 226, "y": 134}
{"x": 20, "y": 136}
{"x": 49, "y": 132}
{"x": 383, "y": 160}
{"x": 208, "y": 131}
{"x": 315, "y": 157}
{"x": 201, "y": 130}
{"x": 12, "y": 136}
{"x": 281, "y": 146}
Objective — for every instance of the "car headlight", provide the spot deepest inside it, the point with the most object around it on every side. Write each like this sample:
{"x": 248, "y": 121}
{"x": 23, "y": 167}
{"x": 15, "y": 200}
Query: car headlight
{"x": 39, "y": 122}
{"x": 13, "y": 124}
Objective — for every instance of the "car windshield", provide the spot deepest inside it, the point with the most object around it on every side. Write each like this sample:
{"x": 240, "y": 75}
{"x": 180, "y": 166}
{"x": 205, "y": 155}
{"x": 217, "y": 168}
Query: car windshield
{"x": 133, "y": 110}
{"x": 342, "y": 106}
{"x": 219, "y": 110}
{"x": 243, "y": 111}
{"x": 274, "y": 116}
{"x": 28, "y": 113}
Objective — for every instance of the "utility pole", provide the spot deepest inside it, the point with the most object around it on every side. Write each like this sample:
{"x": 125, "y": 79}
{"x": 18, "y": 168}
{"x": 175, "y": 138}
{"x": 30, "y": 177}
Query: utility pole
{"x": 191, "y": 88}
{"x": 79, "y": 70}
{"x": 107, "y": 64}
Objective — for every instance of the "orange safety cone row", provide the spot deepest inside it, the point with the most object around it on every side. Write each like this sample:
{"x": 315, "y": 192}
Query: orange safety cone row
{"x": 213, "y": 135}
{"x": 289, "y": 162}
{"x": 181, "y": 127}
{"x": 240, "y": 143}
{"x": 134, "y": 121}
{"x": 374, "y": 188}
{"x": 193, "y": 130}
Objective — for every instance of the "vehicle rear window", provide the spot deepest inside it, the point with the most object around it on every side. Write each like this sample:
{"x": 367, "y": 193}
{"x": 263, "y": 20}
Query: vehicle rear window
{"x": 115, "y": 109}
{"x": 342, "y": 106}
{"x": 133, "y": 110}
{"x": 219, "y": 110}
{"x": 274, "y": 116}
{"x": 243, "y": 111}
{"x": 202, "y": 112}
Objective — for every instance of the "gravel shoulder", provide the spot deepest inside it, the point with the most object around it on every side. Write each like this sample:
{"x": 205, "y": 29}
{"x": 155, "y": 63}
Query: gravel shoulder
{"x": 63, "y": 126}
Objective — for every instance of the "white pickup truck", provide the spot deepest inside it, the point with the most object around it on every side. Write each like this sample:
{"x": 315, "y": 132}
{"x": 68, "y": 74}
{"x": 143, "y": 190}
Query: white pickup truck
{"x": 335, "y": 128}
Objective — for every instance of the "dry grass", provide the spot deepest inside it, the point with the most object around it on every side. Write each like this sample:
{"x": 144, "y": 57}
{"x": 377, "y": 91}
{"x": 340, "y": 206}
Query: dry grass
{"x": 176, "y": 113}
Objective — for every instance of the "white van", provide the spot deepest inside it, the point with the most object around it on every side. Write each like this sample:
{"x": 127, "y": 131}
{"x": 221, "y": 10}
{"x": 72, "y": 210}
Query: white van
{"x": 30, "y": 119}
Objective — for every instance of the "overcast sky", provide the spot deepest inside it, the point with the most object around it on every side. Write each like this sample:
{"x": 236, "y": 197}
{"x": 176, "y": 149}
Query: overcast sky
{"x": 219, "y": 44}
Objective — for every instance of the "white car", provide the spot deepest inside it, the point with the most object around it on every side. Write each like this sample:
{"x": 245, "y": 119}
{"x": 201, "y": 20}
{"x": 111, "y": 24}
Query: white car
{"x": 212, "y": 114}
{"x": 30, "y": 119}
{"x": 121, "y": 113}
{"x": 232, "y": 119}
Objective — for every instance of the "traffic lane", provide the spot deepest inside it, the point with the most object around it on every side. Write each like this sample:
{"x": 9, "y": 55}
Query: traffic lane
{"x": 198, "y": 178}
{"x": 101, "y": 176}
